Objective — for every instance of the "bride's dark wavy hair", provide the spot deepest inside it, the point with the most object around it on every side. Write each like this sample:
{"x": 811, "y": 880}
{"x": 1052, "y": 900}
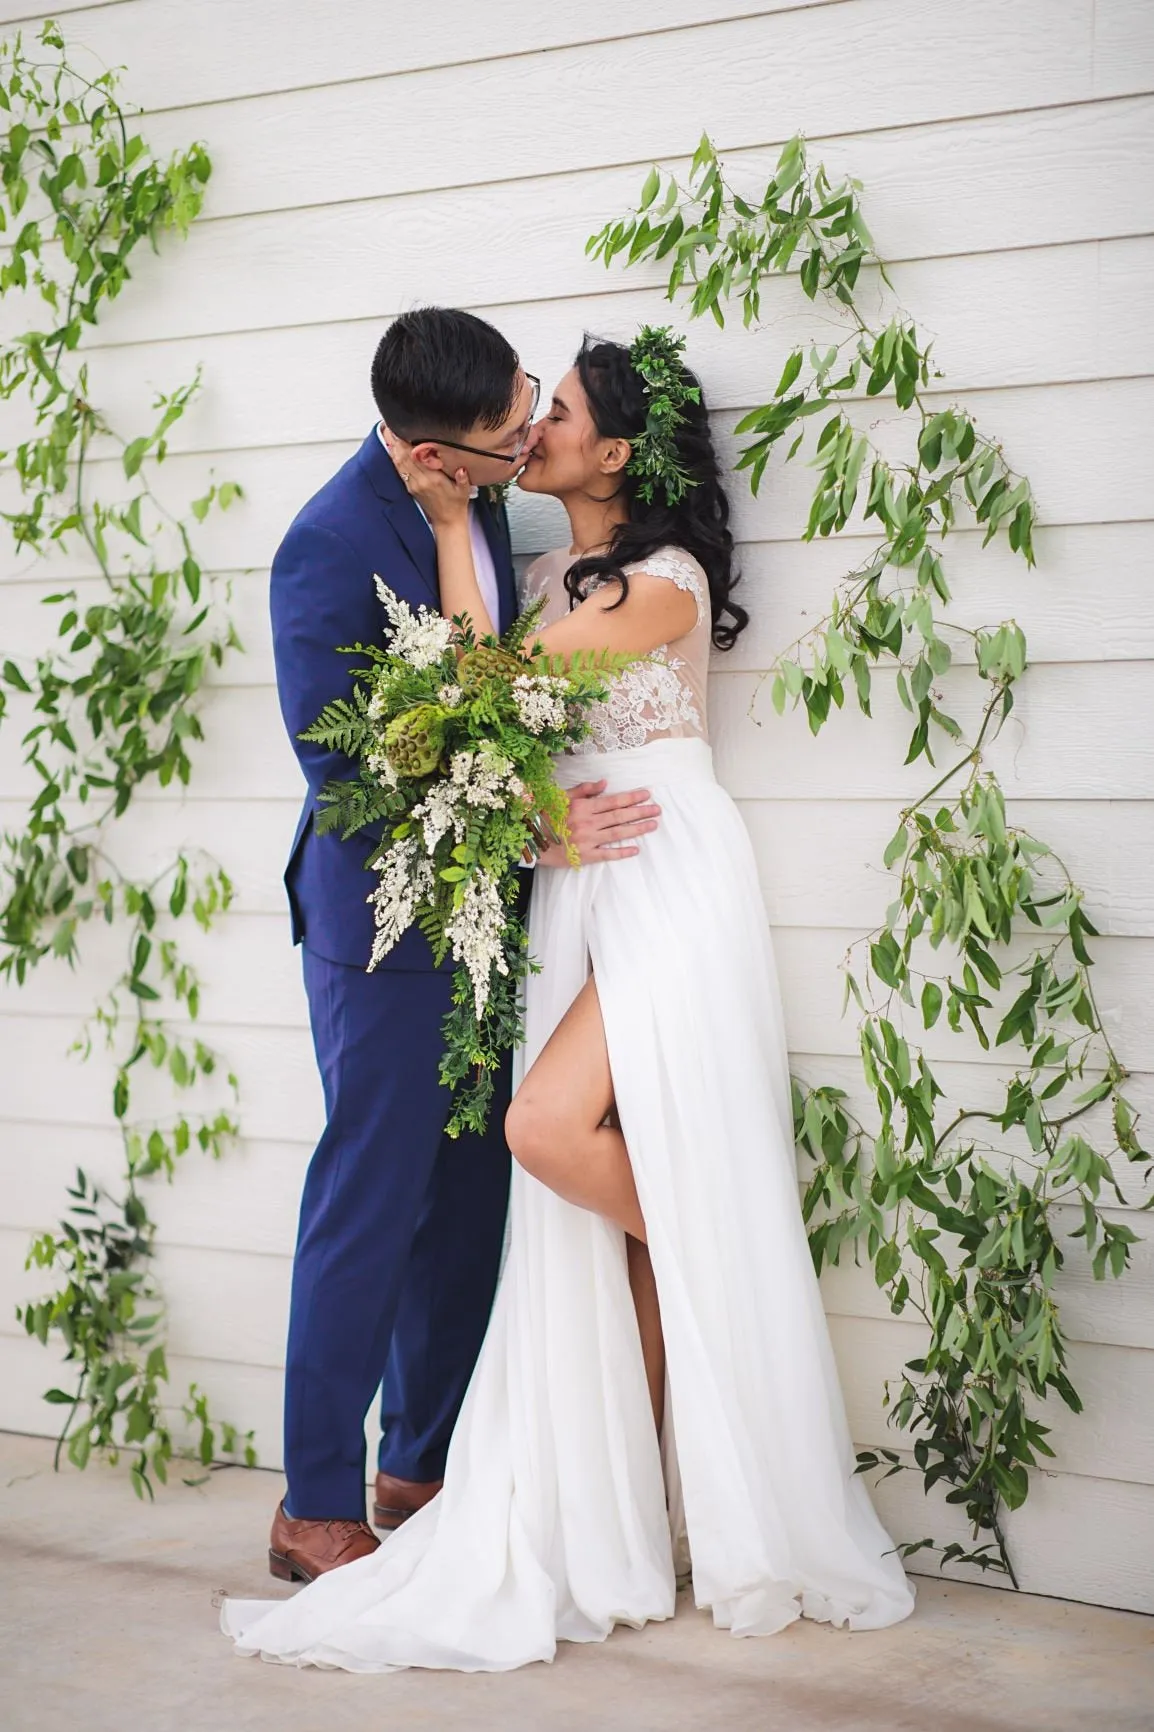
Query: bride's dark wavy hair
{"x": 699, "y": 522}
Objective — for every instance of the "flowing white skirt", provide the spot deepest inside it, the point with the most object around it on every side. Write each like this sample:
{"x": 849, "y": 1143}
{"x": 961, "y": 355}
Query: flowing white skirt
{"x": 554, "y": 1523}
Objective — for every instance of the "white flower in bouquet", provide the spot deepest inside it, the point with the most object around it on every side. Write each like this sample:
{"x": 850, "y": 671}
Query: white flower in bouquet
{"x": 484, "y": 777}
{"x": 541, "y": 702}
{"x": 476, "y": 933}
{"x": 438, "y": 813}
{"x": 405, "y": 879}
{"x": 378, "y": 765}
{"x": 419, "y": 638}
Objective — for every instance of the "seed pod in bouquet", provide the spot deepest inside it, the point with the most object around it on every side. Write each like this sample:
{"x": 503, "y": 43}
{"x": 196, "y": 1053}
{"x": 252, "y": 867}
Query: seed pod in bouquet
{"x": 484, "y": 663}
{"x": 415, "y": 740}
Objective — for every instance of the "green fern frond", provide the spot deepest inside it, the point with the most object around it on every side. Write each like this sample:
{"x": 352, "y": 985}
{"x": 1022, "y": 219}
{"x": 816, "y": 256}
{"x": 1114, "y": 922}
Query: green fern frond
{"x": 523, "y": 628}
{"x": 342, "y": 726}
{"x": 608, "y": 663}
{"x": 355, "y": 805}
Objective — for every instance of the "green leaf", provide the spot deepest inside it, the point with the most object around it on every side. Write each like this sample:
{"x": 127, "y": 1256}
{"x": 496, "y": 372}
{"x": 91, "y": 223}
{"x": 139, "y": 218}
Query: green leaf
{"x": 789, "y": 373}
{"x": 896, "y": 846}
{"x": 15, "y": 678}
{"x": 887, "y": 1263}
{"x": 134, "y": 454}
{"x": 885, "y": 958}
{"x": 132, "y": 520}
{"x": 651, "y": 189}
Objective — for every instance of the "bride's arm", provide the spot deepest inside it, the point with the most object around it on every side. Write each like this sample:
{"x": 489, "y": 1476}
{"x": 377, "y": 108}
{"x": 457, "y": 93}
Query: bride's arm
{"x": 654, "y": 613}
{"x": 444, "y": 499}
{"x": 457, "y": 574}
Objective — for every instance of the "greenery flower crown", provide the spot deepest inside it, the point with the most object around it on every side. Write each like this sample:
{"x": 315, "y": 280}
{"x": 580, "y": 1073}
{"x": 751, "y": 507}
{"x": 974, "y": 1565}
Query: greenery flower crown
{"x": 655, "y": 356}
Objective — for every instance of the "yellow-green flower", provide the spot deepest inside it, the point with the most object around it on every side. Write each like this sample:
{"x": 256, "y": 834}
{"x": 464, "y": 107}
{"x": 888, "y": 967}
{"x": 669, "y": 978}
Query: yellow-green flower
{"x": 415, "y": 740}
{"x": 485, "y": 663}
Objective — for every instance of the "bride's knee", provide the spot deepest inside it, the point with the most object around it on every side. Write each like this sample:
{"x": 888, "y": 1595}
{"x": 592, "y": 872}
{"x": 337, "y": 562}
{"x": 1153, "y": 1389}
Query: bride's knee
{"x": 532, "y": 1133}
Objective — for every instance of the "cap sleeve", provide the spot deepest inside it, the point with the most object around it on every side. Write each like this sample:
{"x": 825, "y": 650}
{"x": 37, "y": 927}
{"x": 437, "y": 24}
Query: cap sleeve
{"x": 680, "y": 569}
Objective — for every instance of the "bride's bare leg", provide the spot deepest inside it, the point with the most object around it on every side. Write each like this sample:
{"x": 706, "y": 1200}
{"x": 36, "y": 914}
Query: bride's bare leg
{"x": 562, "y": 1127}
{"x": 555, "y": 1124}
{"x": 644, "y": 1288}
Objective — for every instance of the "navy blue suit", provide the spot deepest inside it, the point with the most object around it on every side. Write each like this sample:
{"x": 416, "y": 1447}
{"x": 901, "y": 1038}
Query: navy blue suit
{"x": 400, "y": 1227}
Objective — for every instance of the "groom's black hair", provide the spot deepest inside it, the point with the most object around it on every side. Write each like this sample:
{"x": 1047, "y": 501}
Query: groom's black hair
{"x": 438, "y": 370}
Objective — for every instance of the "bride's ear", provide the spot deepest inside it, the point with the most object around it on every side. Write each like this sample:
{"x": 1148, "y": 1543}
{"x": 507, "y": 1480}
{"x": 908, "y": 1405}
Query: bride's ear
{"x": 615, "y": 456}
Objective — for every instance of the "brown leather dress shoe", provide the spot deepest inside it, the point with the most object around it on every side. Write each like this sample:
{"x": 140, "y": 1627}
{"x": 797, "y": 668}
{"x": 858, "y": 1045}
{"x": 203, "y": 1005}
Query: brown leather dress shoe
{"x": 398, "y": 1499}
{"x": 300, "y": 1551}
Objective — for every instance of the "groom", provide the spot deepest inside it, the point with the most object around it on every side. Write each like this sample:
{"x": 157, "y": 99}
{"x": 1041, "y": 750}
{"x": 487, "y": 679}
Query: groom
{"x": 400, "y": 1226}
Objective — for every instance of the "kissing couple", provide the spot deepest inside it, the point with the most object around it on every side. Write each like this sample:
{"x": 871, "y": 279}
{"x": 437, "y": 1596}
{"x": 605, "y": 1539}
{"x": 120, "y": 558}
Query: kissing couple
{"x": 603, "y": 1364}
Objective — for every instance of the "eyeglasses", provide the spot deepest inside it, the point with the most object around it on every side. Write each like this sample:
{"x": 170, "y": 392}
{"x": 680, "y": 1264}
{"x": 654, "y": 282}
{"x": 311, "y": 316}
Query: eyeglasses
{"x": 477, "y": 450}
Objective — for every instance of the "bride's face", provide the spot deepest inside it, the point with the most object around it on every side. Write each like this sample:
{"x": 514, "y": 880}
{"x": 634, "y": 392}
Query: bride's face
{"x": 568, "y": 454}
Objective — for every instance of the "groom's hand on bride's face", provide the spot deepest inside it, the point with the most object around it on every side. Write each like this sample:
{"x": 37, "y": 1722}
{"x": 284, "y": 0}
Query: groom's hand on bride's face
{"x": 605, "y": 827}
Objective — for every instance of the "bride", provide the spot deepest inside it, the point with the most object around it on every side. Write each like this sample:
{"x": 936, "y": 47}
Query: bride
{"x": 657, "y": 1389}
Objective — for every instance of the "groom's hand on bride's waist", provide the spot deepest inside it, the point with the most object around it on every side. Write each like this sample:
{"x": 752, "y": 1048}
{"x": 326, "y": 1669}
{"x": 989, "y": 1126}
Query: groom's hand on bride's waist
{"x": 605, "y": 826}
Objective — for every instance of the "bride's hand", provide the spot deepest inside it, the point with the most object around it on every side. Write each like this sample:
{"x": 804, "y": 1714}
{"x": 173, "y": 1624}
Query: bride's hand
{"x": 443, "y": 498}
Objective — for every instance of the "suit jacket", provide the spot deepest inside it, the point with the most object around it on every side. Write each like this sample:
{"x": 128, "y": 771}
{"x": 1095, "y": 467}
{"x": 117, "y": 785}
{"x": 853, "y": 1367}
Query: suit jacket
{"x": 361, "y": 523}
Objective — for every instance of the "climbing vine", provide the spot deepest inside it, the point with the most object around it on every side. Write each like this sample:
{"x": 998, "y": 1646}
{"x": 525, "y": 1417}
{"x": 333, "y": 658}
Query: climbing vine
{"x": 109, "y": 710}
{"x": 959, "y": 1211}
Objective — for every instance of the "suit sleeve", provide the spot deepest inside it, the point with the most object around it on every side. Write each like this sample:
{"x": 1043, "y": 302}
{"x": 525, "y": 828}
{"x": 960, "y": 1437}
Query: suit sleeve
{"x": 321, "y": 596}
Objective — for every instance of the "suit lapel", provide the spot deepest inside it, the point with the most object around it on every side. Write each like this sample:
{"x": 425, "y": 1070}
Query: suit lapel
{"x": 411, "y": 529}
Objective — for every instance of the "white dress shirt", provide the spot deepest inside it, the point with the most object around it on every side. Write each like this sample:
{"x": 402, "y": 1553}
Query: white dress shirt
{"x": 482, "y": 556}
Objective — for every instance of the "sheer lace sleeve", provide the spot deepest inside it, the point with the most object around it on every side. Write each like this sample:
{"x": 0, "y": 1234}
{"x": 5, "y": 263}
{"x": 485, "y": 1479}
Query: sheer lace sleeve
{"x": 534, "y": 582}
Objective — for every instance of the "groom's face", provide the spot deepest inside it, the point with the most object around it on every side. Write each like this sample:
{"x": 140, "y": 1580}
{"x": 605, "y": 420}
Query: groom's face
{"x": 513, "y": 439}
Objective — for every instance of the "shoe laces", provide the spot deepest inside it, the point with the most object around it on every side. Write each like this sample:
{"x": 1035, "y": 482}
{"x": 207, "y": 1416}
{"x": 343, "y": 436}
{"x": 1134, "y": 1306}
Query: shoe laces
{"x": 346, "y": 1529}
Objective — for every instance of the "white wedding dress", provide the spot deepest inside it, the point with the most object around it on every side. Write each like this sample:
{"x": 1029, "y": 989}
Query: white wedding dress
{"x": 561, "y": 1515}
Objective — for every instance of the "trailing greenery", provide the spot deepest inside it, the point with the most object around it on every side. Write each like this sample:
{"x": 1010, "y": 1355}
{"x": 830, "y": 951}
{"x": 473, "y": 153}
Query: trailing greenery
{"x": 959, "y": 1209}
{"x": 110, "y": 711}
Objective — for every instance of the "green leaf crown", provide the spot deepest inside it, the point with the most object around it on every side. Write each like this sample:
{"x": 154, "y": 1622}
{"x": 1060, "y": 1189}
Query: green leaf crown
{"x": 655, "y": 356}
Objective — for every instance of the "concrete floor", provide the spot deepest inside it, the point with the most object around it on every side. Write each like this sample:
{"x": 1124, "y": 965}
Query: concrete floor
{"x": 108, "y": 1624}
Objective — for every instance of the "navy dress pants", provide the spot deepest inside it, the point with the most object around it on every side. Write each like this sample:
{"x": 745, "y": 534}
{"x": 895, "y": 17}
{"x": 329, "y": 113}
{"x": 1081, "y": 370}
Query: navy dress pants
{"x": 399, "y": 1244}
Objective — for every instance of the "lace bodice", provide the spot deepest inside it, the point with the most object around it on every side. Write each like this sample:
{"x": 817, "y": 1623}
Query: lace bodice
{"x": 661, "y": 698}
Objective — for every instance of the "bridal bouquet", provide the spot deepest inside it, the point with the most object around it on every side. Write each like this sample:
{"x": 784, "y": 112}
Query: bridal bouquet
{"x": 454, "y": 741}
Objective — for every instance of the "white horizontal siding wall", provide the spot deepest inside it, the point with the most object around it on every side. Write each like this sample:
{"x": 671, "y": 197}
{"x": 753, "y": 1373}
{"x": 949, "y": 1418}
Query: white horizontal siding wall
{"x": 364, "y": 163}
